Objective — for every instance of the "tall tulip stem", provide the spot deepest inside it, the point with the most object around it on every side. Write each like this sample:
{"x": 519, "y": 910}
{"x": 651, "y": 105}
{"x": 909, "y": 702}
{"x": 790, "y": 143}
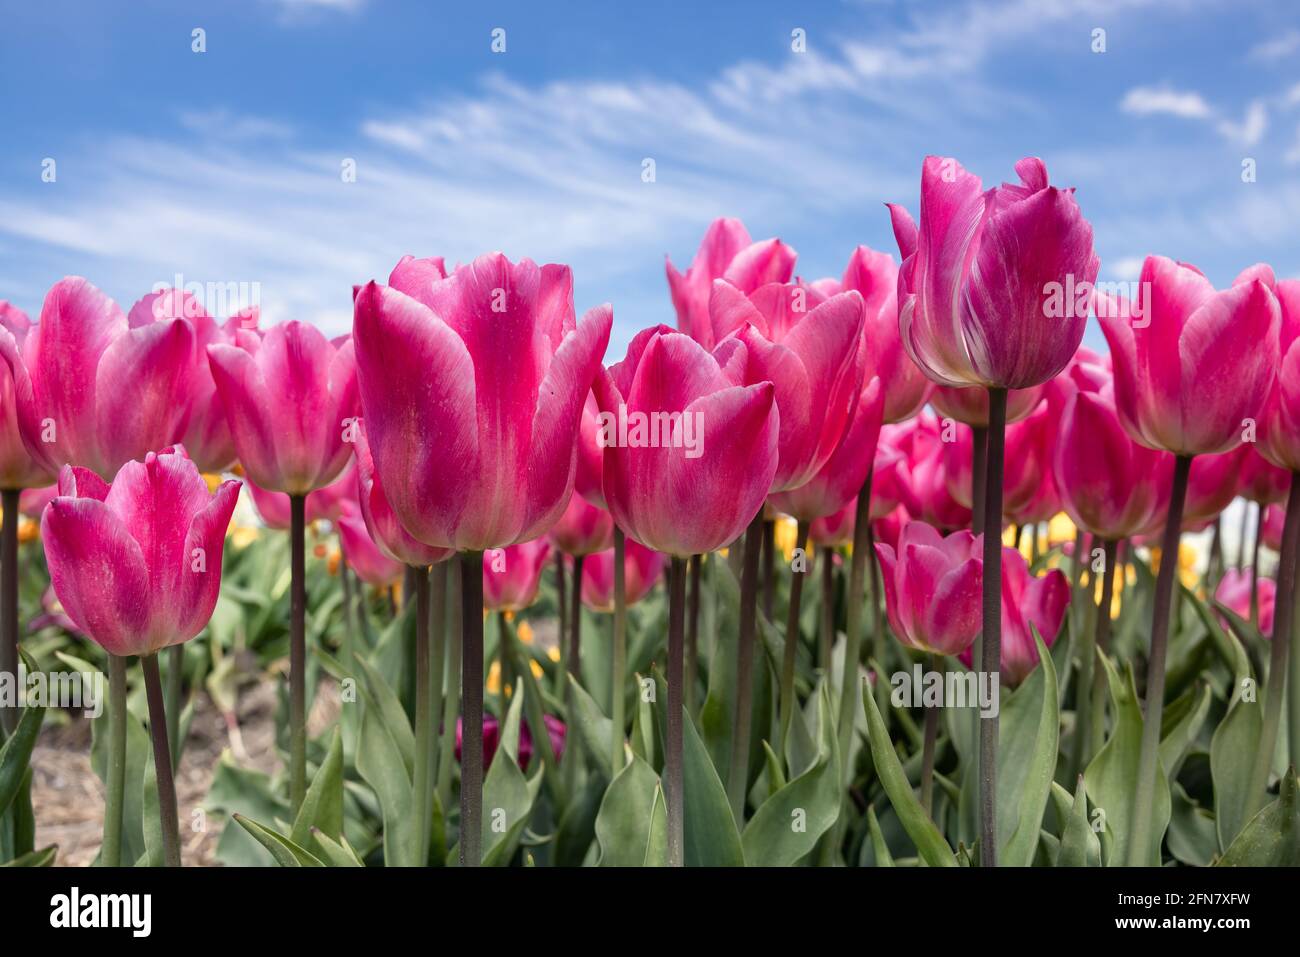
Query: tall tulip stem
{"x": 162, "y": 760}
{"x": 769, "y": 568}
{"x": 618, "y": 656}
{"x": 174, "y": 689}
{"x": 575, "y": 620}
{"x": 979, "y": 468}
{"x": 738, "y": 768}
{"x": 692, "y": 630}
{"x": 451, "y": 698}
{"x": 859, "y": 567}
{"x": 789, "y": 656}
{"x": 471, "y": 692}
{"x": 826, "y": 559}
{"x": 928, "y": 744}
{"x": 9, "y": 598}
{"x": 423, "y": 808}
{"x": 673, "y": 780}
{"x": 1092, "y": 679}
{"x": 991, "y": 636}
{"x": 1254, "y": 563}
{"x": 1141, "y": 825}
{"x": 115, "y": 793}
{"x": 1283, "y": 616}
{"x": 297, "y": 650}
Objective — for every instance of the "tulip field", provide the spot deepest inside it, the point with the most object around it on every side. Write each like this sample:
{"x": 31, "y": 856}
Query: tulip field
{"x": 883, "y": 569}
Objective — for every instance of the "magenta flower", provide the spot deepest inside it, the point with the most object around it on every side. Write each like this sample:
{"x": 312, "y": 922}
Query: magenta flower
{"x": 92, "y": 390}
{"x": 291, "y": 401}
{"x": 727, "y": 253}
{"x": 811, "y": 349}
{"x": 1191, "y": 364}
{"x": 589, "y": 479}
{"x": 1211, "y": 486}
{"x": 664, "y": 495}
{"x": 555, "y": 730}
{"x": 1279, "y": 421}
{"x": 512, "y": 575}
{"x": 473, "y": 387}
{"x": 1234, "y": 593}
{"x": 387, "y": 532}
{"x": 363, "y": 554}
{"x": 996, "y": 285}
{"x": 970, "y": 405}
{"x": 642, "y": 568}
{"x": 17, "y": 467}
{"x": 1261, "y": 481}
{"x": 927, "y": 495}
{"x": 324, "y": 504}
{"x": 932, "y": 588}
{"x": 583, "y": 528}
{"x": 137, "y": 564}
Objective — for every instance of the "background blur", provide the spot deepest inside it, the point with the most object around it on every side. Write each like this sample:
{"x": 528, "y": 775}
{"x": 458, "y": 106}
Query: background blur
{"x": 225, "y": 166}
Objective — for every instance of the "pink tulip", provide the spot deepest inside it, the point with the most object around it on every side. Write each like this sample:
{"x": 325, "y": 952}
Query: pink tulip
{"x": 1110, "y": 486}
{"x": 811, "y": 349}
{"x": 207, "y": 435}
{"x": 363, "y": 554}
{"x": 1234, "y": 593}
{"x": 841, "y": 478}
{"x": 1279, "y": 422}
{"x": 555, "y": 730}
{"x": 932, "y": 589}
{"x": 1260, "y": 480}
{"x": 875, "y": 276}
{"x": 927, "y": 495}
{"x": 1192, "y": 364}
{"x": 663, "y": 497}
{"x": 324, "y": 504}
{"x": 1270, "y": 532}
{"x": 388, "y": 534}
{"x": 512, "y": 575}
{"x": 642, "y": 568}
{"x": 726, "y": 252}
{"x": 589, "y": 479}
{"x": 583, "y": 528}
{"x": 32, "y": 501}
{"x": 995, "y": 286}
{"x": 93, "y": 391}
{"x": 137, "y": 564}
{"x": 17, "y": 468}
{"x": 1211, "y": 486}
{"x": 1026, "y": 478}
{"x": 473, "y": 387}
{"x": 970, "y": 405}
{"x": 291, "y": 401}
{"x": 888, "y": 530}
{"x": 1027, "y": 600}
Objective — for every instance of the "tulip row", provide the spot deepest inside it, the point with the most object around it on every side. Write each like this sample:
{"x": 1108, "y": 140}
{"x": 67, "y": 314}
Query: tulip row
{"x": 466, "y": 432}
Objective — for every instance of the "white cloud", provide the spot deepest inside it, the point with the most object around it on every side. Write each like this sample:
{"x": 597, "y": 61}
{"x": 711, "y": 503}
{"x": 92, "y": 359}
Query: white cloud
{"x": 1277, "y": 47}
{"x": 1145, "y": 100}
{"x": 1126, "y": 269}
{"x": 1251, "y": 129}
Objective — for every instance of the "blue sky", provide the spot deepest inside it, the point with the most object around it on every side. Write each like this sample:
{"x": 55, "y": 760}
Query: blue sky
{"x": 224, "y": 166}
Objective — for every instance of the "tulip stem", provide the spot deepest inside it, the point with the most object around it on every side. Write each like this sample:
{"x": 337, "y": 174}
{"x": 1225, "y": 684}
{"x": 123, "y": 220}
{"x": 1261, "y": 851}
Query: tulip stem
{"x": 859, "y": 564}
{"x": 1091, "y": 678}
{"x": 562, "y": 606}
{"x": 9, "y": 599}
{"x": 991, "y": 636}
{"x": 471, "y": 676}
{"x": 738, "y": 768}
{"x": 1254, "y": 565}
{"x": 693, "y": 632}
{"x": 979, "y": 466}
{"x": 297, "y": 651}
{"x": 451, "y": 700}
{"x": 769, "y": 568}
{"x": 575, "y": 622}
{"x": 618, "y": 656}
{"x": 790, "y": 652}
{"x": 437, "y": 661}
{"x": 927, "y": 747}
{"x": 1140, "y": 827}
{"x": 423, "y": 677}
{"x": 1275, "y": 690}
{"x": 174, "y": 689}
{"x": 825, "y": 558}
{"x": 349, "y": 611}
{"x": 162, "y": 760}
{"x": 673, "y": 780}
{"x": 115, "y": 794}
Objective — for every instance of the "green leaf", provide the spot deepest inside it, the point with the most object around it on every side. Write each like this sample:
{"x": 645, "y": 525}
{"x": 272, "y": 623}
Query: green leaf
{"x": 1025, "y": 769}
{"x": 17, "y": 753}
{"x": 1232, "y": 755}
{"x": 322, "y": 807}
{"x": 775, "y": 772}
{"x": 1079, "y": 844}
{"x": 508, "y": 796}
{"x": 788, "y": 825}
{"x": 878, "y": 846}
{"x": 626, "y": 821}
{"x": 152, "y": 821}
{"x": 245, "y": 790}
{"x": 656, "y": 849}
{"x": 337, "y": 853}
{"x": 380, "y": 764}
{"x": 929, "y": 842}
{"x": 285, "y": 852}
{"x": 1193, "y": 838}
{"x": 42, "y": 858}
{"x": 1272, "y": 837}
{"x": 711, "y": 839}
{"x": 593, "y": 730}
{"x": 385, "y": 700}
{"x": 1109, "y": 778}
{"x": 1176, "y": 741}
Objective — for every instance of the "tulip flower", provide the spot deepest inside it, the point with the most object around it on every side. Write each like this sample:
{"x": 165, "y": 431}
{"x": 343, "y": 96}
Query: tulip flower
{"x": 932, "y": 589}
{"x": 1193, "y": 367}
{"x": 726, "y": 253}
{"x": 290, "y": 397}
{"x": 643, "y": 567}
{"x": 970, "y": 404}
{"x": 1240, "y": 592}
{"x": 555, "y": 730}
{"x": 137, "y": 566}
{"x": 1270, "y": 532}
{"x": 681, "y": 503}
{"x": 588, "y": 480}
{"x": 582, "y": 529}
{"x": 389, "y": 535}
{"x": 512, "y": 575}
{"x": 1260, "y": 480}
{"x": 927, "y": 492}
{"x": 994, "y": 291}
{"x": 488, "y": 369}
{"x": 1211, "y": 485}
{"x": 363, "y": 554}
{"x": 275, "y": 509}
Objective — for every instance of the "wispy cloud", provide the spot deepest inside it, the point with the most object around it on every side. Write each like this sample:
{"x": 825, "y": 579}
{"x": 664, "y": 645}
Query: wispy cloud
{"x": 1277, "y": 47}
{"x": 1146, "y": 100}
